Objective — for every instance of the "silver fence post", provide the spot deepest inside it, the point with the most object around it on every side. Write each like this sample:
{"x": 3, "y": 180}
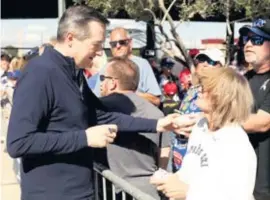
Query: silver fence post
{"x": 123, "y": 196}
{"x": 61, "y": 7}
{"x": 96, "y": 185}
{"x": 113, "y": 192}
{"x": 104, "y": 188}
{"x": 125, "y": 186}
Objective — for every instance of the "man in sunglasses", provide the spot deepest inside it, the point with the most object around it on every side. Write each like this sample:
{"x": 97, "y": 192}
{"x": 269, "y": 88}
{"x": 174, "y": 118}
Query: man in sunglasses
{"x": 121, "y": 46}
{"x": 256, "y": 39}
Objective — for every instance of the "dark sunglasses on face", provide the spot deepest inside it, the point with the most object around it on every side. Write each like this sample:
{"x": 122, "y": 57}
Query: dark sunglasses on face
{"x": 167, "y": 67}
{"x": 102, "y": 78}
{"x": 203, "y": 58}
{"x": 120, "y": 42}
{"x": 254, "y": 39}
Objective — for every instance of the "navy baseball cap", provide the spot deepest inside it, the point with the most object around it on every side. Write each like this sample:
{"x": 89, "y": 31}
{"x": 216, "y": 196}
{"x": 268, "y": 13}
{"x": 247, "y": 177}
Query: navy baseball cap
{"x": 167, "y": 62}
{"x": 260, "y": 27}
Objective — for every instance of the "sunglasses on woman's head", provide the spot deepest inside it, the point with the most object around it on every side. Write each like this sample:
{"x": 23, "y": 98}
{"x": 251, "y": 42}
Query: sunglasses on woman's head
{"x": 120, "y": 42}
{"x": 204, "y": 58}
{"x": 254, "y": 39}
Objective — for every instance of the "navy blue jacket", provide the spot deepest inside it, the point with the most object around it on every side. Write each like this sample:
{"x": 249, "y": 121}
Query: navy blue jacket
{"x": 51, "y": 110}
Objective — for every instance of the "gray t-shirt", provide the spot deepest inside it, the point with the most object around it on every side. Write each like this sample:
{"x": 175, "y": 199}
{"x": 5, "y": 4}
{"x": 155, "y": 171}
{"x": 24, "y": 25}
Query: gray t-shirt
{"x": 133, "y": 157}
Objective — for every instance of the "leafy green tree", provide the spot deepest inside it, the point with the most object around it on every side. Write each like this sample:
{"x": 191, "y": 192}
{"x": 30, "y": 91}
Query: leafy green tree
{"x": 162, "y": 10}
{"x": 186, "y": 9}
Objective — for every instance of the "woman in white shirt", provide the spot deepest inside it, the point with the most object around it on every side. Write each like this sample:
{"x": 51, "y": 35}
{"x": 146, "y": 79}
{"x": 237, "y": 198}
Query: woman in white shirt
{"x": 220, "y": 163}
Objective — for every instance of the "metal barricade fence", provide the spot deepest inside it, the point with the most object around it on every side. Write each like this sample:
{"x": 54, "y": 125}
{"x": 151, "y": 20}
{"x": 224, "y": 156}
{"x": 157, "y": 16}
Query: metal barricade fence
{"x": 127, "y": 190}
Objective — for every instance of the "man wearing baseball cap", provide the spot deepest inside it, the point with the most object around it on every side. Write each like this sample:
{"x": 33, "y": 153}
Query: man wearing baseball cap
{"x": 167, "y": 76}
{"x": 256, "y": 40}
{"x": 211, "y": 57}
{"x": 166, "y": 66}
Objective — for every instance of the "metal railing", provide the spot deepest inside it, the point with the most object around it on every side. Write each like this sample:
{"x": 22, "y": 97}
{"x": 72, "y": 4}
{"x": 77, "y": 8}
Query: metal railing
{"x": 108, "y": 178}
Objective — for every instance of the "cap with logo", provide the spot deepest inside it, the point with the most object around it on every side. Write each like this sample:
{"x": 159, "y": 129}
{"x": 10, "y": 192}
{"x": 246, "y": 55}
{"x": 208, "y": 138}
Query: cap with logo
{"x": 167, "y": 62}
{"x": 260, "y": 27}
{"x": 214, "y": 54}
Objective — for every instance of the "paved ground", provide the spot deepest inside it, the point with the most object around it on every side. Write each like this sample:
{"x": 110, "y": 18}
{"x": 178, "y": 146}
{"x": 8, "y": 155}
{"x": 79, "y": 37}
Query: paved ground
{"x": 9, "y": 189}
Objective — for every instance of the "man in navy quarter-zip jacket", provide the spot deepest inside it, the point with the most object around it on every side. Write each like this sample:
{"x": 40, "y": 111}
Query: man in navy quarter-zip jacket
{"x": 55, "y": 117}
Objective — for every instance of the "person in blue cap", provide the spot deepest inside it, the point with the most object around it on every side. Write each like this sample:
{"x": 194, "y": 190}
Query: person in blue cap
{"x": 167, "y": 76}
{"x": 166, "y": 66}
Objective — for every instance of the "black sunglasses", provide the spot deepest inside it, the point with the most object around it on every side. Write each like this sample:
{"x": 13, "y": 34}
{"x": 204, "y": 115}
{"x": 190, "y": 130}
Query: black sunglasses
{"x": 102, "y": 77}
{"x": 120, "y": 42}
{"x": 204, "y": 58}
{"x": 254, "y": 39}
{"x": 167, "y": 67}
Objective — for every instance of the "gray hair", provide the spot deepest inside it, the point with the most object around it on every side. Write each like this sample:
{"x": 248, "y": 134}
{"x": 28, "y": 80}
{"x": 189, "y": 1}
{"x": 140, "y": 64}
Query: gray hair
{"x": 76, "y": 19}
{"x": 121, "y": 29}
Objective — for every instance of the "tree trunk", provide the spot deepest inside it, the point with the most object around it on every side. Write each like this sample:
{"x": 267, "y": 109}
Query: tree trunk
{"x": 179, "y": 43}
{"x": 229, "y": 33}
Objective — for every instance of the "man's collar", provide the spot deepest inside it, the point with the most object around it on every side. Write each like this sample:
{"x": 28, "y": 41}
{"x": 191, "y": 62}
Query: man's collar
{"x": 64, "y": 61}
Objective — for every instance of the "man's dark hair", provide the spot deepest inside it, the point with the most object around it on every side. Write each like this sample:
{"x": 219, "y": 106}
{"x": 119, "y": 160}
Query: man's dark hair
{"x": 76, "y": 19}
{"x": 5, "y": 57}
{"x": 126, "y": 71}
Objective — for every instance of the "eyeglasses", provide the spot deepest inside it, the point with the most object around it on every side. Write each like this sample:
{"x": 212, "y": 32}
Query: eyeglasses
{"x": 254, "y": 39}
{"x": 204, "y": 58}
{"x": 102, "y": 78}
{"x": 167, "y": 67}
{"x": 120, "y": 42}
